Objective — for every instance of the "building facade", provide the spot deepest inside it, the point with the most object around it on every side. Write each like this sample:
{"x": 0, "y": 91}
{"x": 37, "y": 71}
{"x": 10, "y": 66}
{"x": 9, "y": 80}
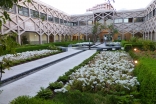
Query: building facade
{"x": 103, "y": 6}
{"x": 37, "y": 23}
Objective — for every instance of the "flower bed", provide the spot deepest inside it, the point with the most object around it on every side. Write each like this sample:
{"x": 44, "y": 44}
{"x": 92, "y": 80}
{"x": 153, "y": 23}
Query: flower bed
{"x": 109, "y": 71}
{"x": 113, "y": 44}
{"x": 26, "y": 56}
{"x": 109, "y": 74}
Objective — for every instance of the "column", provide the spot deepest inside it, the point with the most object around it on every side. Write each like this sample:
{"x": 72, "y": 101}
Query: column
{"x": 48, "y": 38}
{"x": 40, "y": 39}
{"x": 59, "y": 38}
{"x": 19, "y": 39}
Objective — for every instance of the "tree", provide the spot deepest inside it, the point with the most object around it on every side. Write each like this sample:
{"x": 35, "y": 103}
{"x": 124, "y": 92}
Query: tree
{"x": 112, "y": 30}
{"x": 7, "y": 4}
{"x": 97, "y": 27}
{"x": 7, "y": 43}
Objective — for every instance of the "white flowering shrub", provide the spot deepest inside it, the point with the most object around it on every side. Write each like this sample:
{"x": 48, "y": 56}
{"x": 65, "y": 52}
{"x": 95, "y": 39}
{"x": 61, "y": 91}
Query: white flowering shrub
{"x": 109, "y": 71}
{"x": 26, "y": 55}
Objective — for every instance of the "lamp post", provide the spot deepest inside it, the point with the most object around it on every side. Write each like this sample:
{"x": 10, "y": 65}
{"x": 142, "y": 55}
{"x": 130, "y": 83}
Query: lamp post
{"x": 89, "y": 43}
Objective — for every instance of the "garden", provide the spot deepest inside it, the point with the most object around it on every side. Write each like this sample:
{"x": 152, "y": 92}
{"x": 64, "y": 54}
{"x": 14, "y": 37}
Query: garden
{"x": 108, "y": 77}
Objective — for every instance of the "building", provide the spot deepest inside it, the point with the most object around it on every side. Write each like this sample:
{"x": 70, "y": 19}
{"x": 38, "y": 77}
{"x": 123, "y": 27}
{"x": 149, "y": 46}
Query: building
{"x": 103, "y": 6}
{"x": 37, "y": 23}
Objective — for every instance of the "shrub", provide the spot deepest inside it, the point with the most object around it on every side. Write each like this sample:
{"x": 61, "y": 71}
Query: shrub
{"x": 31, "y": 48}
{"x": 146, "y": 73}
{"x": 124, "y": 42}
{"x": 55, "y": 85}
{"x": 29, "y": 100}
{"x": 134, "y": 56}
{"x": 63, "y": 78}
{"x": 44, "y": 93}
{"x": 127, "y": 47}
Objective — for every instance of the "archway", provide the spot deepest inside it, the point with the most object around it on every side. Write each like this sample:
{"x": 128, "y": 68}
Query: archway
{"x": 146, "y": 37}
{"x": 117, "y": 36}
{"x": 82, "y": 37}
{"x": 51, "y": 38}
{"x": 44, "y": 38}
{"x": 66, "y": 37}
{"x": 62, "y": 37}
{"x": 29, "y": 38}
{"x": 101, "y": 35}
{"x": 149, "y": 38}
{"x": 57, "y": 38}
{"x": 153, "y": 36}
{"x": 127, "y": 36}
{"x": 138, "y": 35}
{"x": 90, "y": 36}
{"x": 69, "y": 37}
{"x": 75, "y": 37}
{"x": 85, "y": 37}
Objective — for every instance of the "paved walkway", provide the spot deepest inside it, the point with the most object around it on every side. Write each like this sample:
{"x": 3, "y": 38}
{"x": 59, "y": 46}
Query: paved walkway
{"x": 31, "y": 84}
{"x": 33, "y": 64}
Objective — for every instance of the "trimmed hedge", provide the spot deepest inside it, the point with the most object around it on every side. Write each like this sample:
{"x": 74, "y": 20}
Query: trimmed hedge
{"x": 146, "y": 73}
{"x": 43, "y": 46}
{"x": 31, "y": 48}
{"x": 127, "y": 47}
{"x": 31, "y": 100}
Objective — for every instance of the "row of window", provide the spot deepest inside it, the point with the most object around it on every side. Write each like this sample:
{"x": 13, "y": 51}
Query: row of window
{"x": 35, "y": 14}
{"x": 150, "y": 15}
{"x": 129, "y": 20}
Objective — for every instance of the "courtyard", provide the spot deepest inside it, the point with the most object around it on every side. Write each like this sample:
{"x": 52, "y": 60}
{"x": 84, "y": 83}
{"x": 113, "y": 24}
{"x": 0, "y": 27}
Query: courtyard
{"x": 102, "y": 56}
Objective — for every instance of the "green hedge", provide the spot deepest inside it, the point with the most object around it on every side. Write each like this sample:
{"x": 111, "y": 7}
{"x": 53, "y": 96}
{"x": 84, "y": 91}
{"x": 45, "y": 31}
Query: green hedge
{"x": 31, "y": 48}
{"x": 124, "y": 42}
{"x": 25, "y": 48}
{"x": 146, "y": 73}
{"x": 127, "y": 47}
{"x": 31, "y": 100}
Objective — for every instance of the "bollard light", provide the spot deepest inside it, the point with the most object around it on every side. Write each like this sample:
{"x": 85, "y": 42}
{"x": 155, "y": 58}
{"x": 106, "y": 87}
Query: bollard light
{"x": 135, "y": 61}
{"x": 135, "y": 49}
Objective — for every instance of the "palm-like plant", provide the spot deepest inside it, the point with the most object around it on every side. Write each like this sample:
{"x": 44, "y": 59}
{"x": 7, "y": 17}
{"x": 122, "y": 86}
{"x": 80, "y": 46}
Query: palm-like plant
{"x": 112, "y": 30}
{"x": 97, "y": 28}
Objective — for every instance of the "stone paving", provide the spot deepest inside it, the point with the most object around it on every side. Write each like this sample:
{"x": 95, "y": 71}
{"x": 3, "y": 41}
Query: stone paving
{"x": 31, "y": 84}
{"x": 33, "y": 64}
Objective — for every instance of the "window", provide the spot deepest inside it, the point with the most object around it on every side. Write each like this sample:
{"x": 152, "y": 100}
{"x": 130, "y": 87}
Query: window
{"x": 82, "y": 23}
{"x": 150, "y": 15}
{"x": 23, "y": 11}
{"x": 34, "y": 14}
{"x": 126, "y": 20}
{"x": 118, "y": 21}
{"x": 90, "y": 22}
{"x": 75, "y": 23}
{"x": 147, "y": 16}
{"x": 69, "y": 23}
{"x": 43, "y": 16}
{"x": 11, "y": 10}
{"x": 57, "y": 20}
{"x": 154, "y": 12}
{"x": 61, "y": 21}
{"x": 138, "y": 19}
{"x": 65, "y": 22}
{"x": 50, "y": 18}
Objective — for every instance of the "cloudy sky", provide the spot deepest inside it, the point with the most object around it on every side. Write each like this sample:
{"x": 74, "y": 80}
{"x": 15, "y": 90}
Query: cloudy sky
{"x": 80, "y": 6}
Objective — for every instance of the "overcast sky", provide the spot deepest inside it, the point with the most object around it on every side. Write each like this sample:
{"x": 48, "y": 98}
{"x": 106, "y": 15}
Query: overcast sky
{"x": 80, "y": 6}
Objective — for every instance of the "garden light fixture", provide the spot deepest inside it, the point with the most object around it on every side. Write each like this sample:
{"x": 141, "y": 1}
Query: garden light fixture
{"x": 135, "y": 49}
{"x": 135, "y": 61}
